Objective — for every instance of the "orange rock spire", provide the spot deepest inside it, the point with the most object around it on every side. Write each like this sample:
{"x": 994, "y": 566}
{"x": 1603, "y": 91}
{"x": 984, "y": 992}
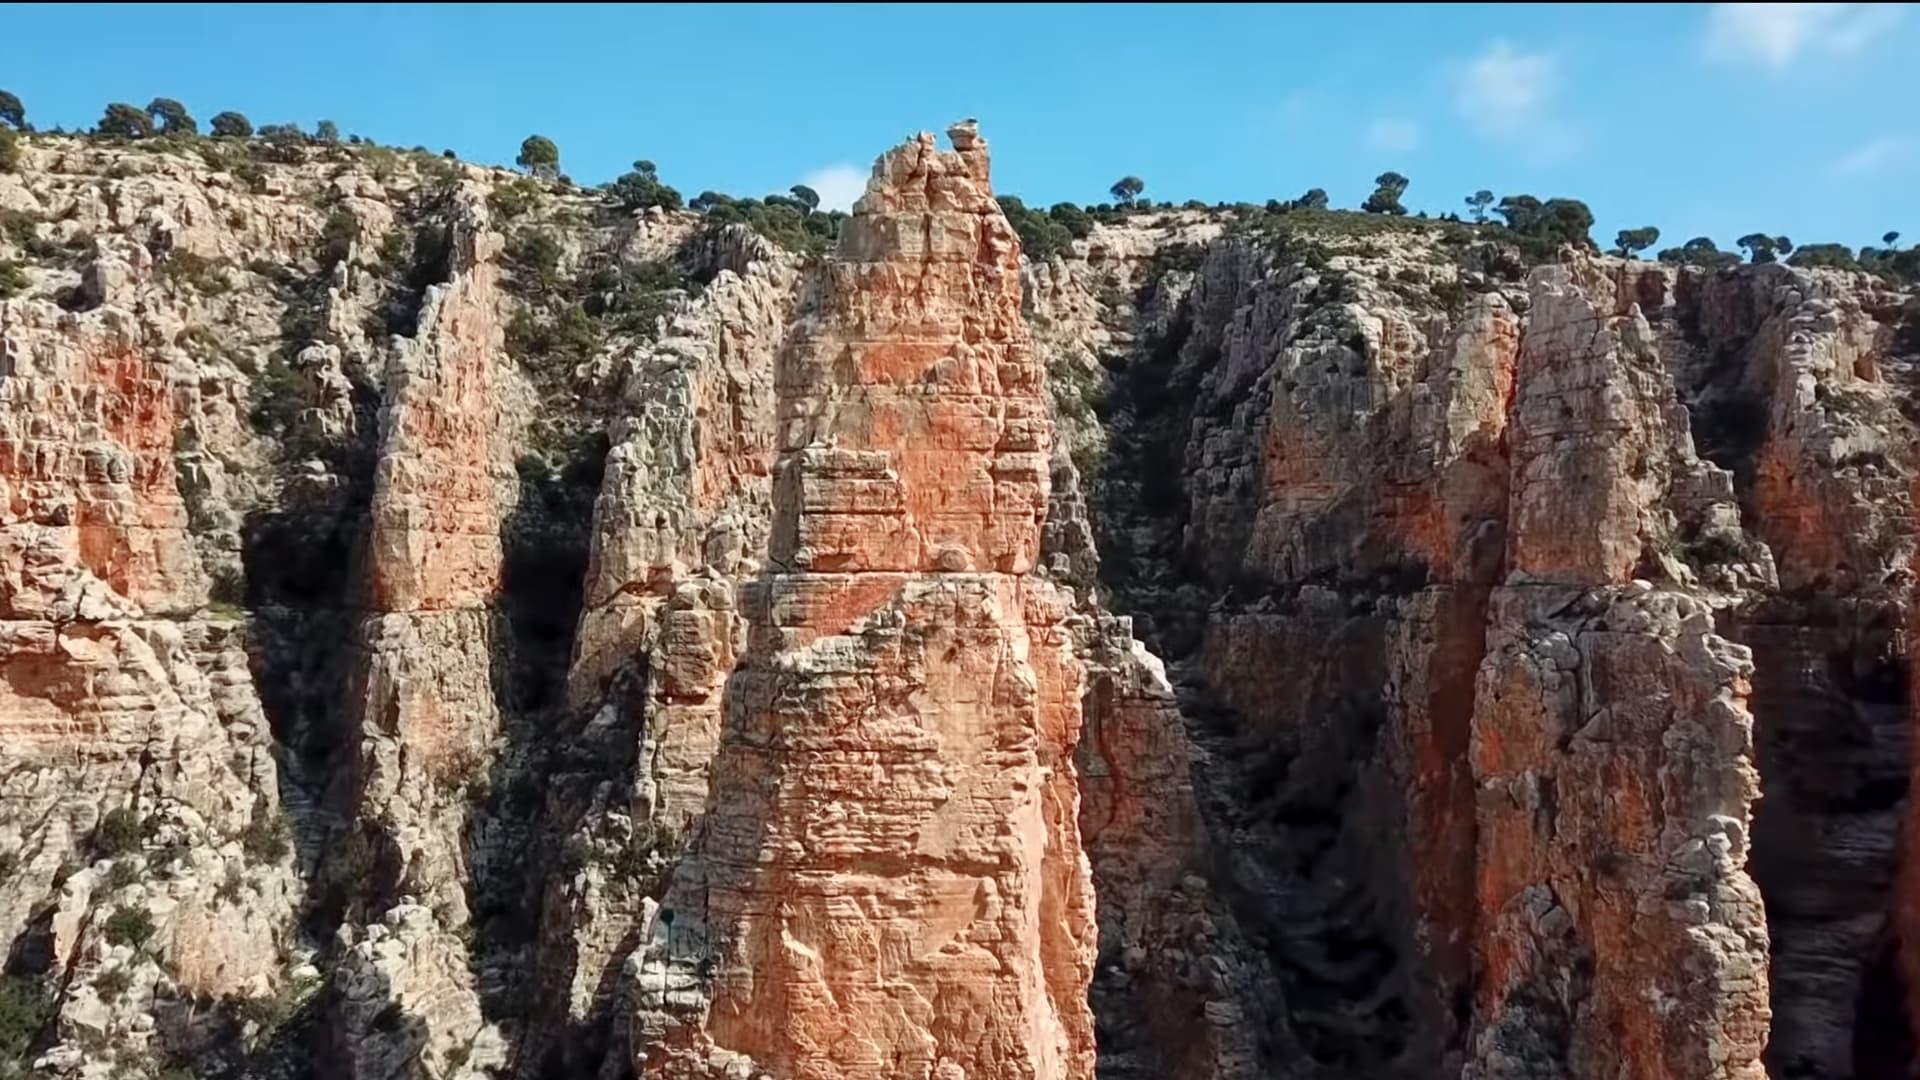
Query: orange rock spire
{"x": 890, "y": 881}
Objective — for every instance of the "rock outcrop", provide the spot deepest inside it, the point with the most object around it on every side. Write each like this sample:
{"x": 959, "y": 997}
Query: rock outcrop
{"x": 452, "y": 625}
{"x": 1619, "y": 931}
{"x": 140, "y": 815}
{"x": 424, "y": 710}
{"x": 888, "y": 880}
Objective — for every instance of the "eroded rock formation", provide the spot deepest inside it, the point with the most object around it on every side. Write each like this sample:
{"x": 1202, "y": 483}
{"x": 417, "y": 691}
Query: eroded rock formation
{"x": 451, "y": 625}
{"x": 888, "y": 880}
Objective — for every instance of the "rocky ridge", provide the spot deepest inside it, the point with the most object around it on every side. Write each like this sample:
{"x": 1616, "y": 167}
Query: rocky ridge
{"x": 829, "y": 673}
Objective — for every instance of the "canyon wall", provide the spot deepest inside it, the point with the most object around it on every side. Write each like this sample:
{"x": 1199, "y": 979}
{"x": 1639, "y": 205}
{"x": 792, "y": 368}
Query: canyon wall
{"x": 456, "y": 626}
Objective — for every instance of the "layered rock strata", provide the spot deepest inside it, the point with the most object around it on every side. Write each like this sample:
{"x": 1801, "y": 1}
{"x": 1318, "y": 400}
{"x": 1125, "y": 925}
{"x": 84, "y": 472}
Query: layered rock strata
{"x": 140, "y": 805}
{"x": 1619, "y": 931}
{"x": 1521, "y": 684}
{"x": 425, "y": 705}
{"x": 889, "y": 880}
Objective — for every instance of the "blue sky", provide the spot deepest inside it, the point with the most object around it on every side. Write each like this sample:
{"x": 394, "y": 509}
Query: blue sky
{"x": 1716, "y": 119}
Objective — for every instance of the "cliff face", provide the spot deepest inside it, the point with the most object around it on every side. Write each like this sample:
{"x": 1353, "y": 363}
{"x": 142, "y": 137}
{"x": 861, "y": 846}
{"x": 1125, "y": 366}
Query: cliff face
{"x": 888, "y": 879}
{"x": 450, "y": 626}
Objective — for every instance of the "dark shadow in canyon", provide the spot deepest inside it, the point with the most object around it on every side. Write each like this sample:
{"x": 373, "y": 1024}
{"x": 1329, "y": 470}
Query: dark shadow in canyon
{"x": 1830, "y": 702}
{"x": 1282, "y": 689}
{"x": 547, "y": 773}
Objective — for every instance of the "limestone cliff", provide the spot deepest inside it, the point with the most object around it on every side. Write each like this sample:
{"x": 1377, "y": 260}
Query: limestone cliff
{"x": 451, "y": 625}
{"x": 888, "y": 878}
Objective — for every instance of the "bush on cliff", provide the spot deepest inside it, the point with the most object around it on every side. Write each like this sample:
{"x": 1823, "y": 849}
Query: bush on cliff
{"x": 539, "y": 156}
{"x": 779, "y": 218}
{"x": 232, "y": 125}
{"x": 9, "y": 150}
{"x": 1630, "y": 242}
{"x": 172, "y": 117}
{"x": 1547, "y": 225}
{"x": 1699, "y": 251}
{"x": 1830, "y": 256}
{"x": 267, "y": 837}
{"x": 25, "y": 1008}
{"x": 1077, "y": 222}
{"x": 1041, "y": 235}
{"x": 1762, "y": 248}
{"x": 123, "y": 121}
{"x": 1388, "y": 187}
{"x": 119, "y": 832}
{"x": 129, "y": 926}
{"x": 641, "y": 188}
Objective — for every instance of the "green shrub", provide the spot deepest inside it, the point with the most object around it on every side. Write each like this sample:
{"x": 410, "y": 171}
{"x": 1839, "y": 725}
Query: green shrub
{"x": 1833, "y": 256}
{"x": 123, "y": 121}
{"x": 337, "y": 235}
{"x": 122, "y": 873}
{"x": 172, "y": 117}
{"x": 279, "y": 395}
{"x": 1699, "y": 251}
{"x": 630, "y": 299}
{"x": 783, "y": 220}
{"x": 534, "y": 255}
{"x": 1042, "y": 236}
{"x": 267, "y": 837}
{"x": 1628, "y": 243}
{"x": 25, "y": 1008}
{"x": 203, "y": 343}
{"x": 232, "y": 886}
{"x": 396, "y": 250}
{"x": 513, "y": 199}
{"x": 129, "y": 926}
{"x": 232, "y": 125}
{"x": 251, "y": 175}
{"x": 111, "y": 984}
{"x": 1547, "y": 225}
{"x": 642, "y": 188}
{"x": 185, "y": 270}
{"x": 568, "y": 336}
{"x": 264, "y": 1013}
{"x": 283, "y": 144}
{"x": 13, "y": 280}
{"x": 120, "y": 831}
{"x": 1388, "y": 187}
{"x": 539, "y": 156}
{"x": 9, "y": 150}
{"x": 21, "y": 229}
{"x": 1077, "y": 222}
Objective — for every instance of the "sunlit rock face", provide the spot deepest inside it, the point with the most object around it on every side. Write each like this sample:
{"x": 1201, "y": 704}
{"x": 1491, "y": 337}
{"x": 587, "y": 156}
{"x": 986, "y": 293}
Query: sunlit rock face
{"x": 453, "y": 624}
{"x": 889, "y": 879}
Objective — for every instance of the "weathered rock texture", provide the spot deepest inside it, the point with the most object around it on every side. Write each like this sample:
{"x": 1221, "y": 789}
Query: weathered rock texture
{"x": 888, "y": 881}
{"x": 1620, "y": 932}
{"x": 451, "y": 626}
{"x": 1454, "y": 585}
{"x": 424, "y": 707}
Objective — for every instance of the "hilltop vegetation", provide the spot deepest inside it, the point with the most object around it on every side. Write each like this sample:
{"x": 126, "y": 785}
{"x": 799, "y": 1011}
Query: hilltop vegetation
{"x": 795, "y": 220}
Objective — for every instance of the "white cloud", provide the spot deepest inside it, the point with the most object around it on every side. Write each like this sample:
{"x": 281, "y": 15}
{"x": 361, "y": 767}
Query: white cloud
{"x": 1504, "y": 93}
{"x": 1774, "y": 35}
{"x": 1875, "y": 155}
{"x": 1390, "y": 134}
{"x": 838, "y": 185}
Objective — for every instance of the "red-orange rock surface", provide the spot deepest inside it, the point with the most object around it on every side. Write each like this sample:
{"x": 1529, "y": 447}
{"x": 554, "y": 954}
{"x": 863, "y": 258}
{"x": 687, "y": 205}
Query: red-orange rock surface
{"x": 889, "y": 880}
{"x": 425, "y": 705}
{"x": 530, "y": 636}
